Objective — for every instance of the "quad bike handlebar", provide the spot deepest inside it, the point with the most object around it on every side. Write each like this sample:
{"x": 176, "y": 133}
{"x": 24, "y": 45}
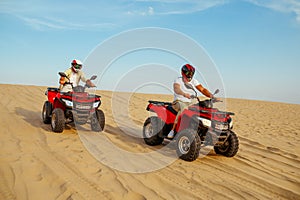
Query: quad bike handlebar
{"x": 78, "y": 88}
{"x": 206, "y": 103}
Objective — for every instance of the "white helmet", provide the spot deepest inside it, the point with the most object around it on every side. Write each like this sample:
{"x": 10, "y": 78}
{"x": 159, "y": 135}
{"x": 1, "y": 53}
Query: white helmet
{"x": 76, "y": 65}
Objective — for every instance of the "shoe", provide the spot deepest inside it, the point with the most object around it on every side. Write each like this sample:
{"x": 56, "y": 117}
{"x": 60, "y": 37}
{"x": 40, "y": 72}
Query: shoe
{"x": 171, "y": 134}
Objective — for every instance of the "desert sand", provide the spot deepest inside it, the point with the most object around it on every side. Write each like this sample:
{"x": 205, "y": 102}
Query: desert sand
{"x": 36, "y": 163}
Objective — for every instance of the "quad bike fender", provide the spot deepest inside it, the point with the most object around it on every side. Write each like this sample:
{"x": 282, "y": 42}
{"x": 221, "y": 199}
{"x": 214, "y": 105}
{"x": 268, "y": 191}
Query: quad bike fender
{"x": 58, "y": 104}
{"x": 51, "y": 93}
{"x": 162, "y": 112}
{"x": 189, "y": 117}
{"x": 183, "y": 122}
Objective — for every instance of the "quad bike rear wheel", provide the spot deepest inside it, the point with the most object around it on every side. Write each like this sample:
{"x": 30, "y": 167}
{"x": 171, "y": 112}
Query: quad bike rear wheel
{"x": 58, "y": 120}
{"x": 153, "y": 128}
{"x": 188, "y": 144}
{"x": 230, "y": 146}
{"x": 46, "y": 113}
{"x": 98, "y": 121}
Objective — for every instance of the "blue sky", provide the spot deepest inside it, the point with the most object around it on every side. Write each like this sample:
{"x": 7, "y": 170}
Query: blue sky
{"x": 255, "y": 44}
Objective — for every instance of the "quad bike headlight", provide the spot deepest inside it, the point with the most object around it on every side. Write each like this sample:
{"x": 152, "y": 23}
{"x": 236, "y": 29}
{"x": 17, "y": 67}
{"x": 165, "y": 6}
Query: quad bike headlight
{"x": 68, "y": 103}
{"x": 205, "y": 122}
{"x": 231, "y": 124}
{"x": 96, "y": 104}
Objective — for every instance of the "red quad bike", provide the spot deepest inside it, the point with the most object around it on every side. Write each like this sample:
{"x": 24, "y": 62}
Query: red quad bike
{"x": 198, "y": 126}
{"x": 77, "y": 106}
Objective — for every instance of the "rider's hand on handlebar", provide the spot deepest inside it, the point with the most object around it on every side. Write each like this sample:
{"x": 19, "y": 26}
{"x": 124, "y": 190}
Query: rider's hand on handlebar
{"x": 89, "y": 83}
{"x": 186, "y": 95}
{"x": 216, "y": 99}
{"x": 62, "y": 80}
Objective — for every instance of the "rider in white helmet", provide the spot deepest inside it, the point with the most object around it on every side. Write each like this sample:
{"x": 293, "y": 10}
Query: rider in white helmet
{"x": 75, "y": 74}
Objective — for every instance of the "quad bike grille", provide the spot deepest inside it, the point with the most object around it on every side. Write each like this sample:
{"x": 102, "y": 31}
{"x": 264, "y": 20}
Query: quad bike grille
{"x": 220, "y": 126}
{"x": 81, "y": 112}
{"x": 82, "y": 106}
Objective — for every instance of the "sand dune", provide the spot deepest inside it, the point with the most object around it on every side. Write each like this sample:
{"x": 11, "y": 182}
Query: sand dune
{"x": 36, "y": 163}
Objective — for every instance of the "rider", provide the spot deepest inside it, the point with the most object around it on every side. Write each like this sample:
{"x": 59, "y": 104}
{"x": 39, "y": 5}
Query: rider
{"x": 183, "y": 95}
{"x": 74, "y": 74}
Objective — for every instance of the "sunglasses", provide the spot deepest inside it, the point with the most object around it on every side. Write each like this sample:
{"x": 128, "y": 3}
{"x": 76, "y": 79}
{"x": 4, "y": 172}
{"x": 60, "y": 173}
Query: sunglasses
{"x": 189, "y": 74}
{"x": 77, "y": 66}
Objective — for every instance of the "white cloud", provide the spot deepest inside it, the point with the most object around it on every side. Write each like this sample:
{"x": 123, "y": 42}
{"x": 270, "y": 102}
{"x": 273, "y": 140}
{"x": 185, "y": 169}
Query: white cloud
{"x": 176, "y": 7}
{"x": 170, "y": 1}
{"x": 286, "y": 6}
{"x": 101, "y": 15}
{"x": 39, "y": 24}
{"x": 46, "y": 15}
{"x": 173, "y": 7}
{"x": 42, "y": 24}
{"x": 150, "y": 11}
{"x": 145, "y": 12}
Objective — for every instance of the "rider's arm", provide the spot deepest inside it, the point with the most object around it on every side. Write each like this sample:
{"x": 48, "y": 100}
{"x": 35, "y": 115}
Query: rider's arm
{"x": 62, "y": 80}
{"x": 85, "y": 80}
{"x": 82, "y": 77}
{"x": 178, "y": 91}
{"x": 204, "y": 91}
{"x": 90, "y": 83}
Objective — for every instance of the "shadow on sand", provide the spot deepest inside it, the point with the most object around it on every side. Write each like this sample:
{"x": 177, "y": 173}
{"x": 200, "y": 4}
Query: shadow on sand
{"x": 34, "y": 118}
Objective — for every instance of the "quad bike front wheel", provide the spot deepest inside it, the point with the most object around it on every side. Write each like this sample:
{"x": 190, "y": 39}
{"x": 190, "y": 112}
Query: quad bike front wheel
{"x": 98, "y": 121}
{"x": 153, "y": 128}
{"x": 46, "y": 113}
{"x": 188, "y": 145}
{"x": 58, "y": 120}
{"x": 230, "y": 146}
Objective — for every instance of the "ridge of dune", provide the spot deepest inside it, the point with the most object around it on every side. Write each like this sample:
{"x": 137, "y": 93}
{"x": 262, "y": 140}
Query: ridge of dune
{"x": 36, "y": 163}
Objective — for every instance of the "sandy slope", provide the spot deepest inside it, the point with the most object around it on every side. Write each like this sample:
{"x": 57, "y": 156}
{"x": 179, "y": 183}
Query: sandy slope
{"x": 36, "y": 163}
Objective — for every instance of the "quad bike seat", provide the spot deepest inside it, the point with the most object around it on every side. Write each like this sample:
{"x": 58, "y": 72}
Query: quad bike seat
{"x": 67, "y": 93}
{"x": 160, "y": 103}
{"x": 167, "y": 104}
{"x": 170, "y": 108}
{"x": 53, "y": 89}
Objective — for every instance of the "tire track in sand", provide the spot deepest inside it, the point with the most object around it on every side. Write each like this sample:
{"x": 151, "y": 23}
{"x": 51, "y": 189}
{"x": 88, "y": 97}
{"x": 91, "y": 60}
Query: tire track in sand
{"x": 5, "y": 192}
{"x": 73, "y": 178}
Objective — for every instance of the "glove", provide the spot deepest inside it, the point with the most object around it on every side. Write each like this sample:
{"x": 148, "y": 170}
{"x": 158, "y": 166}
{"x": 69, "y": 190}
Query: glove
{"x": 62, "y": 80}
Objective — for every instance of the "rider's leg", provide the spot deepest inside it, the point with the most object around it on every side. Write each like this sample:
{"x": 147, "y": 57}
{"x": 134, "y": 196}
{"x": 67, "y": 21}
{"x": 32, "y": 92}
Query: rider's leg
{"x": 178, "y": 106}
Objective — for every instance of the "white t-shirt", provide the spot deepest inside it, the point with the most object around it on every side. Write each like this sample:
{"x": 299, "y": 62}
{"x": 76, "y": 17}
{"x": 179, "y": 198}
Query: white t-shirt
{"x": 179, "y": 81}
{"x": 73, "y": 79}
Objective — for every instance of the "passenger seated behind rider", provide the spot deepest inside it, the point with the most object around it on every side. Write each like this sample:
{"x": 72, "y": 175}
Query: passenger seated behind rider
{"x": 75, "y": 74}
{"x": 183, "y": 94}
